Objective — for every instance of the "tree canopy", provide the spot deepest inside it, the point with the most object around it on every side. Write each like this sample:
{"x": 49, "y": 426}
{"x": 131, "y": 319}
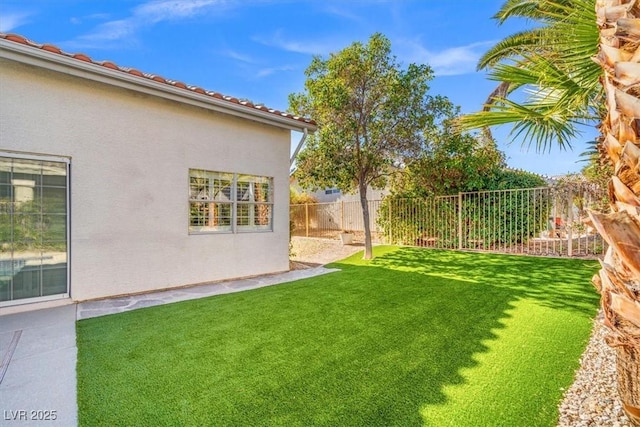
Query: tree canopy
{"x": 371, "y": 115}
{"x": 450, "y": 162}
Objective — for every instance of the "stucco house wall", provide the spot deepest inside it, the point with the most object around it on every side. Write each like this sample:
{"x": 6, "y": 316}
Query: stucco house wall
{"x": 130, "y": 153}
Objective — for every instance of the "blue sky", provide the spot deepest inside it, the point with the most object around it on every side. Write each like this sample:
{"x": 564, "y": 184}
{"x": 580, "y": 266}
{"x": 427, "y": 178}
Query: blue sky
{"x": 259, "y": 49}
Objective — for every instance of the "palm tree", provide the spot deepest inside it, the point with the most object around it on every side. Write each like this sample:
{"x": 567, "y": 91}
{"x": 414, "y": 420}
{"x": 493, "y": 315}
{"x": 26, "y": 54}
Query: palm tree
{"x": 619, "y": 279}
{"x": 550, "y": 66}
{"x": 566, "y": 87}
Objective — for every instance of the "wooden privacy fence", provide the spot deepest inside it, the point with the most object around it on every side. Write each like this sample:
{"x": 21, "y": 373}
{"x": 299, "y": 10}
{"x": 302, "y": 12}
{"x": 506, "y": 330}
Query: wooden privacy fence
{"x": 537, "y": 221}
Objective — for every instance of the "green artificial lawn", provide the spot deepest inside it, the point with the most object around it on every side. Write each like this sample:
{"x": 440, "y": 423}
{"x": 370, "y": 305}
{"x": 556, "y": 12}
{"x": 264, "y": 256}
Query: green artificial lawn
{"x": 415, "y": 337}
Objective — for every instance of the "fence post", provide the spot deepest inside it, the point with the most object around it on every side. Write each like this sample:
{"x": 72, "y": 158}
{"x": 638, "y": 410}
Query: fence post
{"x": 342, "y": 215}
{"x": 306, "y": 218}
{"x": 460, "y": 221}
{"x": 389, "y": 226}
{"x": 570, "y": 225}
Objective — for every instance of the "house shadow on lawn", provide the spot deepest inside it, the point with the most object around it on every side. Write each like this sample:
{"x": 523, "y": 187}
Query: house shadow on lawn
{"x": 375, "y": 344}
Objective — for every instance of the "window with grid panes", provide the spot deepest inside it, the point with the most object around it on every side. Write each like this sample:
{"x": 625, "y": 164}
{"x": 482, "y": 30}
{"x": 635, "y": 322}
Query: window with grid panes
{"x": 228, "y": 202}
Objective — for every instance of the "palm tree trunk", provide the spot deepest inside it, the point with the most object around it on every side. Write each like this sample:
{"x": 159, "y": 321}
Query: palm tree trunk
{"x": 619, "y": 279}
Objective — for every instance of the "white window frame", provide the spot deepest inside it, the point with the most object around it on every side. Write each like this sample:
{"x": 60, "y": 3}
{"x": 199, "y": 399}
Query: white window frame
{"x": 241, "y": 192}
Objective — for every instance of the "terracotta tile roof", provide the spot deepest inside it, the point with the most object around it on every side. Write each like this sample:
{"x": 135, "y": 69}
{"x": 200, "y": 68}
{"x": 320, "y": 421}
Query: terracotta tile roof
{"x": 132, "y": 71}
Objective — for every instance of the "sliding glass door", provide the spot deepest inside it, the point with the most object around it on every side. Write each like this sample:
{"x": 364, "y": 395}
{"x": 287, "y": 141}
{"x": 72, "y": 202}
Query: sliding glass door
{"x": 34, "y": 194}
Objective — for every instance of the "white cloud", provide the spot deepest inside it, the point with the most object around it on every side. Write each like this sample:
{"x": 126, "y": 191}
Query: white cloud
{"x": 254, "y": 67}
{"x": 144, "y": 15}
{"x": 269, "y": 71}
{"x": 343, "y": 13}
{"x": 11, "y": 20}
{"x": 164, "y": 10}
{"x": 230, "y": 53}
{"x": 113, "y": 30}
{"x": 279, "y": 41}
{"x": 95, "y": 16}
{"x": 447, "y": 62}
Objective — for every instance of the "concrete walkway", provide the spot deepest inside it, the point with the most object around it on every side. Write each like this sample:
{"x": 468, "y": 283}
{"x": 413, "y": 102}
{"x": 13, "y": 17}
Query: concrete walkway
{"x": 90, "y": 309}
{"x": 38, "y": 350}
{"x": 39, "y": 353}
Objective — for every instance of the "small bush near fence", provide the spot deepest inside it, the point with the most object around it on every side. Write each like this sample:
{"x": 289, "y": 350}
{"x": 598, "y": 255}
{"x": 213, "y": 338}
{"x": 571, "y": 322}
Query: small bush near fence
{"x": 485, "y": 219}
{"x": 420, "y": 222}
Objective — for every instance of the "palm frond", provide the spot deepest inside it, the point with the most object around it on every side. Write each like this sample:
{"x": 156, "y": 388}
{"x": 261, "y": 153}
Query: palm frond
{"x": 550, "y": 66}
{"x": 541, "y": 125}
{"x": 591, "y": 152}
{"x": 537, "y": 10}
{"x": 519, "y": 73}
{"x": 512, "y": 46}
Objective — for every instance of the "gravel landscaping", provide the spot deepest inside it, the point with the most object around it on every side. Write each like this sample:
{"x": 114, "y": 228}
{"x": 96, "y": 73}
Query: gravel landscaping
{"x": 311, "y": 251}
{"x": 592, "y": 400}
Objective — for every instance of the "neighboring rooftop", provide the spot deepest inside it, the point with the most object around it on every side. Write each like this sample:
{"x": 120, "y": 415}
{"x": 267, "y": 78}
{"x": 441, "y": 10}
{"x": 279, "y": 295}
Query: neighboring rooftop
{"x": 218, "y": 99}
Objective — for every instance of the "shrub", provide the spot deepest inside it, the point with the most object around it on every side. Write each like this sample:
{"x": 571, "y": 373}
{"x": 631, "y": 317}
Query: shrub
{"x": 490, "y": 217}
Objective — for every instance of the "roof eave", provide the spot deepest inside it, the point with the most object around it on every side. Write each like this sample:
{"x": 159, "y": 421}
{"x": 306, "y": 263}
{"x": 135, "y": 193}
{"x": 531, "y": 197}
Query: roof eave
{"x": 93, "y": 71}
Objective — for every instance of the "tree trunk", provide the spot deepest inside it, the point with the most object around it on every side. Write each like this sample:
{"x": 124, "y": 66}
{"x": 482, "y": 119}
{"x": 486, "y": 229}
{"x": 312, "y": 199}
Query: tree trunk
{"x": 628, "y": 361}
{"x": 368, "y": 251}
{"x": 619, "y": 279}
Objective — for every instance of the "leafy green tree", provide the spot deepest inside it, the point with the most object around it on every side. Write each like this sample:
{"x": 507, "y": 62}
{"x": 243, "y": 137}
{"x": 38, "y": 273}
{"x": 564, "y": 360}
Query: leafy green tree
{"x": 450, "y": 163}
{"x": 297, "y": 198}
{"x": 371, "y": 114}
{"x": 509, "y": 179}
{"x": 416, "y": 207}
{"x": 597, "y": 172}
